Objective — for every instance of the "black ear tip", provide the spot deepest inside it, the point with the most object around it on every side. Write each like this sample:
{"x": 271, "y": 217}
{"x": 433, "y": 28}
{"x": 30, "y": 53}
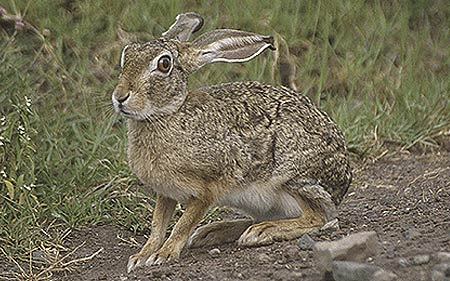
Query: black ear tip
{"x": 200, "y": 19}
{"x": 199, "y": 25}
{"x": 270, "y": 40}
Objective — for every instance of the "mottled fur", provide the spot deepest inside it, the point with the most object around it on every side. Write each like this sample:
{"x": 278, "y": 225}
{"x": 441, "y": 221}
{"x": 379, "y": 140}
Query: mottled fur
{"x": 265, "y": 150}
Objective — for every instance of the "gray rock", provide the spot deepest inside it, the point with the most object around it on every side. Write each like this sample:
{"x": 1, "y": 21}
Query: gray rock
{"x": 442, "y": 257}
{"x": 264, "y": 258}
{"x": 438, "y": 276}
{"x": 441, "y": 272}
{"x": 411, "y": 234}
{"x": 403, "y": 262}
{"x": 332, "y": 225}
{"x": 420, "y": 259}
{"x": 353, "y": 271}
{"x": 39, "y": 256}
{"x": 306, "y": 242}
{"x": 384, "y": 275}
{"x": 214, "y": 252}
{"x": 356, "y": 247}
{"x": 285, "y": 274}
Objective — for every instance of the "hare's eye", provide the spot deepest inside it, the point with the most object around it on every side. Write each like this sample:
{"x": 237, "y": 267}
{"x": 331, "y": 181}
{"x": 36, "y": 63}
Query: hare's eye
{"x": 164, "y": 64}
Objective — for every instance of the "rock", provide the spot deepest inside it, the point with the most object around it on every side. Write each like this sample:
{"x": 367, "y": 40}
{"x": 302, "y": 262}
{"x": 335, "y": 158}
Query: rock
{"x": 384, "y": 275}
{"x": 420, "y": 259}
{"x": 285, "y": 274}
{"x": 411, "y": 233}
{"x": 356, "y": 247}
{"x": 306, "y": 242}
{"x": 290, "y": 253}
{"x": 264, "y": 258}
{"x": 332, "y": 225}
{"x": 438, "y": 276}
{"x": 353, "y": 271}
{"x": 442, "y": 257}
{"x": 441, "y": 272}
{"x": 38, "y": 256}
{"x": 403, "y": 262}
{"x": 214, "y": 252}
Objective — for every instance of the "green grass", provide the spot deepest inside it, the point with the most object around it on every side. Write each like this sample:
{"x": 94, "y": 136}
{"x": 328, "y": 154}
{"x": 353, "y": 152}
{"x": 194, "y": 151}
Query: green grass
{"x": 380, "y": 68}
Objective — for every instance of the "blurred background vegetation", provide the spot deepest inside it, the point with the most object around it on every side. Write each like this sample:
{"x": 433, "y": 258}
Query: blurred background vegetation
{"x": 379, "y": 68}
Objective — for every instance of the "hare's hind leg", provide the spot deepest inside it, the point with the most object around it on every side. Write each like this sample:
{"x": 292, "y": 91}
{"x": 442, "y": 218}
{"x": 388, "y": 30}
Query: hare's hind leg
{"x": 220, "y": 232}
{"x": 317, "y": 208}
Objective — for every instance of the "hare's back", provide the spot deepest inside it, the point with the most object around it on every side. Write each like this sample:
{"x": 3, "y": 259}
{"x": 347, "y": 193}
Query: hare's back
{"x": 301, "y": 136}
{"x": 279, "y": 107}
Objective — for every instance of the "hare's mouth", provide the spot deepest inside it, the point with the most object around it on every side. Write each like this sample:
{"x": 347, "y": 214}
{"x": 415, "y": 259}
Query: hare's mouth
{"x": 132, "y": 114}
{"x": 126, "y": 113}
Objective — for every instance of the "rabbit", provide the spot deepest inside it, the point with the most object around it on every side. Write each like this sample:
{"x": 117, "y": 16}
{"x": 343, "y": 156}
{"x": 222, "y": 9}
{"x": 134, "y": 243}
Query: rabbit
{"x": 267, "y": 151}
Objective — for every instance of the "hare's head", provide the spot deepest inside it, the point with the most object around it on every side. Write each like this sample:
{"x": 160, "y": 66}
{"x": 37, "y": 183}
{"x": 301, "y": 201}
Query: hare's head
{"x": 153, "y": 78}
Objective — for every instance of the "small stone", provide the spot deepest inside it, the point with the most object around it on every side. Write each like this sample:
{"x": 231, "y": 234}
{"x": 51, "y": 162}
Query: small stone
{"x": 295, "y": 275}
{"x": 306, "y": 242}
{"x": 290, "y": 253}
{"x": 441, "y": 272}
{"x": 332, "y": 225}
{"x": 214, "y": 252}
{"x": 353, "y": 271}
{"x": 356, "y": 247}
{"x": 384, "y": 275}
{"x": 442, "y": 257}
{"x": 421, "y": 259}
{"x": 411, "y": 234}
{"x": 38, "y": 256}
{"x": 264, "y": 258}
{"x": 403, "y": 262}
{"x": 285, "y": 274}
{"x": 438, "y": 276}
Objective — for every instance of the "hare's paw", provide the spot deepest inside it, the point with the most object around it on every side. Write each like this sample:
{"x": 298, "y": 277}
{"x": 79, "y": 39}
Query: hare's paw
{"x": 140, "y": 258}
{"x": 208, "y": 235}
{"x": 199, "y": 237}
{"x": 164, "y": 255}
{"x": 258, "y": 235}
{"x": 136, "y": 260}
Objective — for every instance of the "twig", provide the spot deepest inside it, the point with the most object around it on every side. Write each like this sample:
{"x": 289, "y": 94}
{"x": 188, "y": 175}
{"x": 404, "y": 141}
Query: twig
{"x": 82, "y": 259}
{"x": 433, "y": 175}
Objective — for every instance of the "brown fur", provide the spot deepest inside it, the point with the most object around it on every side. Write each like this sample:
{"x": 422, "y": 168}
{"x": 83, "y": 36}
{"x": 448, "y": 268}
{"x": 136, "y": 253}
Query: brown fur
{"x": 265, "y": 150}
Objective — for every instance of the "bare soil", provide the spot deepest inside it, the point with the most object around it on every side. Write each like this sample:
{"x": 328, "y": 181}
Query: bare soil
{"x": 405, "y": 198}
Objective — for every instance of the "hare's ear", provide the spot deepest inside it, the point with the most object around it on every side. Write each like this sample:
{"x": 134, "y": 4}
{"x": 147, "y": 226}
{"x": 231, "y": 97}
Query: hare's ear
{"x": 227, "y": 45}
{"x": 184, "y": 26}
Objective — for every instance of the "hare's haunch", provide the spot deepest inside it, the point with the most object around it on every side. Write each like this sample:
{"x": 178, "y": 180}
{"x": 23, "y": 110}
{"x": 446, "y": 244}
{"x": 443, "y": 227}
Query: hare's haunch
{"x": 265, "y": 150}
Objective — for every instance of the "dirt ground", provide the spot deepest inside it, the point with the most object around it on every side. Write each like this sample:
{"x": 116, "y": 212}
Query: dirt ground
{"x": 404, "y": 197}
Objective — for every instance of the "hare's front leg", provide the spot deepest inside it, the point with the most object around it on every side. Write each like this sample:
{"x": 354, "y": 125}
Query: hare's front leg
{"x": 173, "y": 246}
{"x": 161, "y": 217}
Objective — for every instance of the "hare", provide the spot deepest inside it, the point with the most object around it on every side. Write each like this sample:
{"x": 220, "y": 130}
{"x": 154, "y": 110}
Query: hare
{"x": 264, "y": 150}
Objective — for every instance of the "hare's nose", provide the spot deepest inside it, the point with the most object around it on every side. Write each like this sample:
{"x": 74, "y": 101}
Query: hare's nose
{"x": 123, "y": 98}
